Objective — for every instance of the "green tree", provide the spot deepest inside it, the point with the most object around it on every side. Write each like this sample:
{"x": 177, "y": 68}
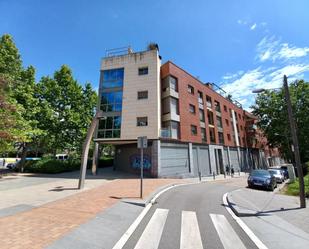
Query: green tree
{"x": 68, "y": 110}
{"x": 271, "y": 109}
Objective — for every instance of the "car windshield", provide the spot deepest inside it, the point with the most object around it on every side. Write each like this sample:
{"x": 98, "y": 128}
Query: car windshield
{"x": 259, "y": 173}
{"x": 274, "y": 171}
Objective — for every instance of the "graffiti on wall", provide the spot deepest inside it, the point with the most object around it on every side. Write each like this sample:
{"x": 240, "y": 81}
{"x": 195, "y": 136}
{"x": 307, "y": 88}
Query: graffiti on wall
{"x": 135, "y": 161}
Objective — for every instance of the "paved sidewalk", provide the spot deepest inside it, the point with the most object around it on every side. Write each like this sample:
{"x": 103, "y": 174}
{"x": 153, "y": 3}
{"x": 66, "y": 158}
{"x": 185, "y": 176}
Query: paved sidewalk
{"x": 276, "y": 219}
{"x": 40, "y": 226}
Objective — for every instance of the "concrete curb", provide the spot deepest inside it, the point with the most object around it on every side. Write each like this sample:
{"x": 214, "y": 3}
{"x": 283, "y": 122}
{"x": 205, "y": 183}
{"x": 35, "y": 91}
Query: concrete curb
{"x": 243, "y": 212}
{"x": 238, "y": 211}
{"x": 149, "y": 199}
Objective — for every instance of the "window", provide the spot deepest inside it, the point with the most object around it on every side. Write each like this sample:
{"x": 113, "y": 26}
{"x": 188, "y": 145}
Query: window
{"x": 225, "y": 108}
{"x": 111, "y": 101}
{"x": 229, "y": 137}
{"x": 142, "y": 121}
{"x": 190, "y": 89}
{"x": 143, "y": 71}
{"x": 202, "y": 115}
{"x": 219, "y": 122}
{"x": 210, "y": 117}
{"x": 170, "y": 82}
{"x": 113, "y": 78}
{"x": 212, "y": 135}
{"x": 173, "y": 83}
{"x": 203, "y": 134}
{"x": 239, "y": 116}
{"x": 227, "y": 122}
{"x": 208, "y": 101}
{"x": 241, "y": 128}
{"x": 191, "y": 108}
{"x": 200, "y": 97}
{"x": 221, "y": 137}
{"x": 217, "y": 106}
{"x": 231, "y": 115}
{"x": 109, "y": 127}
{"x": 193, "y": 130}
{"x": 142, "y": 95}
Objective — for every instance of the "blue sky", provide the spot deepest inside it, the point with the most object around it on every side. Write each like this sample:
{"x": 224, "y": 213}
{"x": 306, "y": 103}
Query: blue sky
{"x": 240, "y": 45}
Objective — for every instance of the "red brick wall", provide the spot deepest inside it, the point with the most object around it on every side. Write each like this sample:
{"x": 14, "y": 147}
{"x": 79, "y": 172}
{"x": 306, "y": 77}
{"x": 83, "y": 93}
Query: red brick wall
{"x": 187, "y": 119}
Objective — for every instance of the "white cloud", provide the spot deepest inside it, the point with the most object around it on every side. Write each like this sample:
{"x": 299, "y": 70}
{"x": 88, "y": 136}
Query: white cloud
{"x": 292, "y": 52}
{"x": 253, "y": 26}
{"x": 270, "y": 48}
{"x": 272, "y": 77}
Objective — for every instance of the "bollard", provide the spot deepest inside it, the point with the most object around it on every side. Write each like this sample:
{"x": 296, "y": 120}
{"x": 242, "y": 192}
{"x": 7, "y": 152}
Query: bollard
{"x": 239, "y": 172}
{"x": 200, "y": 176}
{"x": 224, "y": 174}
{"x": 214, "y": 175}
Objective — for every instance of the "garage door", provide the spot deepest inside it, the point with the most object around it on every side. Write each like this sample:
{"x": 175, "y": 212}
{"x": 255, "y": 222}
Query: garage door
{"x": 234, "y": 159}
{"x": 174, "y": 161}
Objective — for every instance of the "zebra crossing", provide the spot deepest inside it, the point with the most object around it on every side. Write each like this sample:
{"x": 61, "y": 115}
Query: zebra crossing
{"x": 190, "y": 236}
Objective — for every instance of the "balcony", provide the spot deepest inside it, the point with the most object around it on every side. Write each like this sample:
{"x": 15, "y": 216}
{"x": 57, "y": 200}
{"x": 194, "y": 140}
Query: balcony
{"x": 169, "y": 92}
{"x": 170, "y": 116}
{"x": 169, "y": 133}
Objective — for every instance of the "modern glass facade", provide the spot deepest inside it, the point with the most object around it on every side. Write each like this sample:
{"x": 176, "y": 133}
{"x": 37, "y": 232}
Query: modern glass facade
{"x": 111, "y": 103}
{"x": 113, "y": 78}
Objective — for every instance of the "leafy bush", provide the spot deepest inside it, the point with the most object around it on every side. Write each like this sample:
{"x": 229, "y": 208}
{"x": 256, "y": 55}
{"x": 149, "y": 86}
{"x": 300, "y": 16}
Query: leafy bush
{"x": 53, "y": 166}
{"x": 293, "y": 188}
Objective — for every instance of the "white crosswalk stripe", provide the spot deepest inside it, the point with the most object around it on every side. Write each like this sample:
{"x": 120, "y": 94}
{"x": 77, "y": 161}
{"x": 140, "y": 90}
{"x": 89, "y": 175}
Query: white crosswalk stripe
{"x": 227, "y": 235}
{"x": 151, "y": 236}
{"x": 190, "y": 232}
{"x": 190, "y": 236}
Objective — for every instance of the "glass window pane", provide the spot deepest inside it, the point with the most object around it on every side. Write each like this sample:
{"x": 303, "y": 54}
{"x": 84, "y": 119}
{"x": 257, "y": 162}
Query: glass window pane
{"x": 108, "y": 134}
{"x": 116, "y": 133}
{"x": 100, "y": 134}
{"x": 118, "y": 97}
{"x": 102, "y": 124}
{"x": 109, "y": 123}
{"x": 117, "y": 122}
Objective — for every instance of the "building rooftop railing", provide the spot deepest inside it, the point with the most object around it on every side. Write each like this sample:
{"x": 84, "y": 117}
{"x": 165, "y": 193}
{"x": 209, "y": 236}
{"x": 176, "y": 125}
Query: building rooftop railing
{"x": 223, "y": 93}
{"x": 118, "y": 51}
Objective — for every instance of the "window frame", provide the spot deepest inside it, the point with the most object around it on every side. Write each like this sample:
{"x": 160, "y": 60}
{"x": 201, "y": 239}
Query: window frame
{"x": 141, "y": 92}
{"x": 139, "y": 122}
{"x": 193, "y": 127}
{"x": 143, "y": 71}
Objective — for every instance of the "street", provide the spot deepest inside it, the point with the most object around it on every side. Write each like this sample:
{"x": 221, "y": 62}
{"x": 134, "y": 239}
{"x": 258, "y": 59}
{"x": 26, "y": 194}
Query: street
{"x": 191, "y": 216}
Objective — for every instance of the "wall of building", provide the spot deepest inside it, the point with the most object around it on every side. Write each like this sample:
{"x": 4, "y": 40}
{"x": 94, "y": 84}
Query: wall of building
{"x": 174, "y": 160}
{"x": 133, "y": 82}
{"x": 127, "y": 158}
{"x": 187, "y": 119}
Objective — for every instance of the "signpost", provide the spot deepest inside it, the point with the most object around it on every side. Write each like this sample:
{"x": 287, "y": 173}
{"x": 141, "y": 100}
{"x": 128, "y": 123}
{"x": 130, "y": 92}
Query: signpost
{"x": 142, "y": 144}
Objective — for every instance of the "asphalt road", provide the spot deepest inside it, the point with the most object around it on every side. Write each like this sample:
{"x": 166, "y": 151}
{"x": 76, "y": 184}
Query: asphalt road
{"x": 168, "y": 224}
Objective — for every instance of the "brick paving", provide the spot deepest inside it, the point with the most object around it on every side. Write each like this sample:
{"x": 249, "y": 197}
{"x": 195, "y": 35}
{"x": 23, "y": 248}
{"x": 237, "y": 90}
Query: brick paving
{"x": 42, "y": 225}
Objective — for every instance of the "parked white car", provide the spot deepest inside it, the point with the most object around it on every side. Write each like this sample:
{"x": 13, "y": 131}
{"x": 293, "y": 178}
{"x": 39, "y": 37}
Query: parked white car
{"x": 277, "y": 173}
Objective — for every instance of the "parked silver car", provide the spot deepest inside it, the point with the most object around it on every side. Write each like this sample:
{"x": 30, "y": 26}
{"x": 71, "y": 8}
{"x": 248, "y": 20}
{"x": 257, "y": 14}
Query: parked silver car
{"x": 277, "y": 173}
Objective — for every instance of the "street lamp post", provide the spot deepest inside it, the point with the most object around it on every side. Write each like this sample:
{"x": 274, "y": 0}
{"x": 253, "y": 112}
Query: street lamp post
{"x": 294, "y": 138}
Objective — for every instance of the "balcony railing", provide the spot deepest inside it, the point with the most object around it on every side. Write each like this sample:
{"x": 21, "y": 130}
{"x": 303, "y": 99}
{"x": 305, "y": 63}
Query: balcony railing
{"x": 165, "y": 133}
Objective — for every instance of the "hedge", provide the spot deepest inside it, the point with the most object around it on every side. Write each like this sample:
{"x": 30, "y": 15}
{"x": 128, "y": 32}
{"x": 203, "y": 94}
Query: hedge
{"x": 53, "y": 166}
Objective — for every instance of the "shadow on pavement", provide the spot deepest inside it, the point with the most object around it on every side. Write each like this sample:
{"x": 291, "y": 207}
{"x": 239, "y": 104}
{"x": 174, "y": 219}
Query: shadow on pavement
{"x": 103, "y": 173}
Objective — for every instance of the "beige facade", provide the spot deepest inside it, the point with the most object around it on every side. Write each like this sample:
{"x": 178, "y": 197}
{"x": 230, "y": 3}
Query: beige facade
{"x": 132, "y": 107}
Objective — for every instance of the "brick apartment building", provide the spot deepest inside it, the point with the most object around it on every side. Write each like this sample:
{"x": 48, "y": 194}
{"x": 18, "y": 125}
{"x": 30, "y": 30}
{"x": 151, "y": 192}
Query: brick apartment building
{"x": 192, "y": 128}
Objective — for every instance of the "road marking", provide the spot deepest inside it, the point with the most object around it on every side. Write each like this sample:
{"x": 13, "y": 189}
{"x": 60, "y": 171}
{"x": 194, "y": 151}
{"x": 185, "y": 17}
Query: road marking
{"x": 190, "y": 232}
{"x": 125, "y": 237}
{"x": 153, "y": 231}
{"x": 244, "y": 227}
{"x": 227, "y": 235}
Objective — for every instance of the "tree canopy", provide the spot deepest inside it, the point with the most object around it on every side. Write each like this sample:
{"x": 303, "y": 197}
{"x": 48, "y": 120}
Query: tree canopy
{"x": 52, "y": 114}
{"x": 271, "y": 109}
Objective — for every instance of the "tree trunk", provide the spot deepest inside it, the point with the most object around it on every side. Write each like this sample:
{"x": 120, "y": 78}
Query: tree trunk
{"x": 23, "y": 157}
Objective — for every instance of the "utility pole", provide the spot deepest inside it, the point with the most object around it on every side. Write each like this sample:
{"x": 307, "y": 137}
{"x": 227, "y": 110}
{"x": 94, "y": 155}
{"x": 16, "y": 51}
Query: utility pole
{"x": 295, "y": 143}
